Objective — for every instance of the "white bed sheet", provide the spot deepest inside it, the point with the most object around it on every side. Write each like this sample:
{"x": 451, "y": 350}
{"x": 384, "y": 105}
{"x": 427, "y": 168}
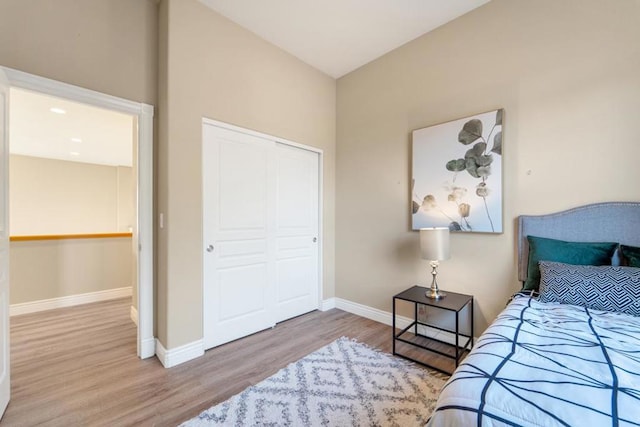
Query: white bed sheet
{"x": 546, "y": 364}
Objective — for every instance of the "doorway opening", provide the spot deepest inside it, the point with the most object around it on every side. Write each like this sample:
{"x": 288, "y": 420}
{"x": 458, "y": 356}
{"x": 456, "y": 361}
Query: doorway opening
{"x": 72, "y": 203}
{"x": 138, "y": 223}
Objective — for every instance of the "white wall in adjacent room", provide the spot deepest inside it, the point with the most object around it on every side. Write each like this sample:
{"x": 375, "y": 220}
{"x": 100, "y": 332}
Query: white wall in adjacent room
{"x": 60, "y": 197}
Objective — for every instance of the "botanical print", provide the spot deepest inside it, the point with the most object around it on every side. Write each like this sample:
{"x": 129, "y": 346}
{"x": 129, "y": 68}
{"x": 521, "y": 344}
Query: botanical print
{"x": 457, "y": 174}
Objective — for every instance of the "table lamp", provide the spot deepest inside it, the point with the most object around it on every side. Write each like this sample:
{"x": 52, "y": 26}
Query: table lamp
{"x": 434, "y": 247}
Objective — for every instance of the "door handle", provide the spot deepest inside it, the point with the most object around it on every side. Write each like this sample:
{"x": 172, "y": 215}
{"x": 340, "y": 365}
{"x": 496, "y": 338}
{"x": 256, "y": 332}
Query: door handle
{"x": 210, "y": 248}
{"x": 315, "y": 239}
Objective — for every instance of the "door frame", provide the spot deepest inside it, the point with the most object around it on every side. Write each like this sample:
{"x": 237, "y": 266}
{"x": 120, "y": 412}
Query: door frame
{"x": 144, "y": 114}
{"x": 320, "y": 152}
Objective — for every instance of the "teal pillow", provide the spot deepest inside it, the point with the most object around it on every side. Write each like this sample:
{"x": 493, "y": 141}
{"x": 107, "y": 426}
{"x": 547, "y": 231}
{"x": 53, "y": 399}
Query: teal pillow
{"x": 631, "y": 255}
{"x": 576, "y": 253}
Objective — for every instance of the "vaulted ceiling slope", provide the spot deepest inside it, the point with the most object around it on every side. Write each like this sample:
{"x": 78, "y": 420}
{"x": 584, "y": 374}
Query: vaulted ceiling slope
{"x": 338, "y": 36}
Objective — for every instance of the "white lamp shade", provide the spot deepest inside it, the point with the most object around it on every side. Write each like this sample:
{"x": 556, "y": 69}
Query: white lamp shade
{"x": 434, "y": 243}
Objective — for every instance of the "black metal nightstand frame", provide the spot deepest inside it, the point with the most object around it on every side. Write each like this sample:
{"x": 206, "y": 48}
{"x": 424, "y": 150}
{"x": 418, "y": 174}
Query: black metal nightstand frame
{"x": 453, "y": 302}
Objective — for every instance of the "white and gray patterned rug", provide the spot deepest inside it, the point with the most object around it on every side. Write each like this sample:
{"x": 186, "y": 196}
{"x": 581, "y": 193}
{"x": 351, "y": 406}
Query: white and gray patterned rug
{"x": 345, "y": 383}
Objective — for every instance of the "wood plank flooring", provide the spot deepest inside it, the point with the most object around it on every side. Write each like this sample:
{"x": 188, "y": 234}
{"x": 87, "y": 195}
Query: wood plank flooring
{"x": 78, "y": 366}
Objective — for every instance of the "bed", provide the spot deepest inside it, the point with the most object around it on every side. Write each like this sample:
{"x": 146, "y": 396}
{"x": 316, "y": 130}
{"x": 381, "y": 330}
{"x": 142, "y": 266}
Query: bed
{"x": 569, "y": 358}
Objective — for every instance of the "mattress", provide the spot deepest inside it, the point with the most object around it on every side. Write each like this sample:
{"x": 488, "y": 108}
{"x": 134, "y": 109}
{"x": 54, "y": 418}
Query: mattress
{"x": 547, "y": 364}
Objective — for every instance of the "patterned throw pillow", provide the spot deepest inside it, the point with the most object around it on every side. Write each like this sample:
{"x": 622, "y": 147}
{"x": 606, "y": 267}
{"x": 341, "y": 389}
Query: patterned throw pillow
{"x": 605, "y": 288}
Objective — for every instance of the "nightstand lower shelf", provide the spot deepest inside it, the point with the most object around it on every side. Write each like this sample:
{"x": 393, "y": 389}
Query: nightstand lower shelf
{"x": 416, "y": 343}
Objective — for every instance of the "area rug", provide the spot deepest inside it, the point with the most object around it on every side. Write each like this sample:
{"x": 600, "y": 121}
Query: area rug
{"x": 345, "y": 383}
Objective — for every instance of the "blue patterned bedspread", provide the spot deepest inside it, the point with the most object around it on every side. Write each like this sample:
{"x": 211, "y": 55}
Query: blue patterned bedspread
{"x": 548, "y": 364}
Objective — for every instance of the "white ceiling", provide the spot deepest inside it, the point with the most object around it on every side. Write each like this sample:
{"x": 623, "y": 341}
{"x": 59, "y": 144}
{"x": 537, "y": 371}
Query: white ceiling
{"x": 34, "y": 130}
{"x": 338, "y": 36}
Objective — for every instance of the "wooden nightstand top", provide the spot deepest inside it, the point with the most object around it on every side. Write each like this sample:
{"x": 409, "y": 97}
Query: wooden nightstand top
{"x": 453, "y": 301}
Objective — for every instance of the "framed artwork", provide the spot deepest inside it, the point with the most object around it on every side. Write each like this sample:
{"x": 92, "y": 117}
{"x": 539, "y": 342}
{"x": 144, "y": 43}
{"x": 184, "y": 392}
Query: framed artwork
{"x": 457, "y": 174}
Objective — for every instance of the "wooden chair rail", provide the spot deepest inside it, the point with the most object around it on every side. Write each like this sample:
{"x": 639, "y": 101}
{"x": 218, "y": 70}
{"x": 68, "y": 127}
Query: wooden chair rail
{"x": 69, "y": 236}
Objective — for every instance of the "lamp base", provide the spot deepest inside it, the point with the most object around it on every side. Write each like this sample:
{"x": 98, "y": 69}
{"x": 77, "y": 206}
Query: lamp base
{"x": 435, "y": 294}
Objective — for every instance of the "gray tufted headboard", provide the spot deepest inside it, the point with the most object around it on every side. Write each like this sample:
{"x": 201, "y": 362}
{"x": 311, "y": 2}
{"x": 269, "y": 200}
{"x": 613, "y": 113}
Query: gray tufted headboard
{"x": 601, "y": 222}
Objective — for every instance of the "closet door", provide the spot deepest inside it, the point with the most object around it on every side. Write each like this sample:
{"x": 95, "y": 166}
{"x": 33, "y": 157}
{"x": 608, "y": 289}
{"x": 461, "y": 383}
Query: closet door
{"x": 238, "y": 237}
{"x": 297, "y": 274}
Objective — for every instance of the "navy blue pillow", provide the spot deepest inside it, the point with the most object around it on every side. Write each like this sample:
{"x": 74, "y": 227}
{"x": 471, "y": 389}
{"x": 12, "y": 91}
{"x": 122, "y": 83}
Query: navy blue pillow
{"x": 606, "y": 288}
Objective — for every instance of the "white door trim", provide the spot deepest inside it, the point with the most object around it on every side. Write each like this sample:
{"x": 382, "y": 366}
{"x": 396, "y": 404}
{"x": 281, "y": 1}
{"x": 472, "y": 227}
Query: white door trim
{"x": 144, "y": 113}
{"x": 207, "y": 121}
{"x": 5, "y": 336}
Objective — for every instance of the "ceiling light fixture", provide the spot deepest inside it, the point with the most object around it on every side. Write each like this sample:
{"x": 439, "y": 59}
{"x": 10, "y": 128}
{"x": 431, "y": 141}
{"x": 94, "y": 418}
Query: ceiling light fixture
{"x": 76, "y": 140}
{"x": 74, "y": 153}
{"x": 58, "y": 110}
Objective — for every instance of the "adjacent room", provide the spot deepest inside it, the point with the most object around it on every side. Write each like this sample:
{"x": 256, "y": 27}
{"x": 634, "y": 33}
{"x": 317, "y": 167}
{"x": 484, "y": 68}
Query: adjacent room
{"x": 360, "y": 213}
{"x": 72, "y": 203}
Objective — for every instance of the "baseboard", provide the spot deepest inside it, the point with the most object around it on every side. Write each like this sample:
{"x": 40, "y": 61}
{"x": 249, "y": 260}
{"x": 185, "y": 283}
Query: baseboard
{"x": 68, "y": 301}
{"x": 385, "y": 317}
{"x": 371, "y": 313}
{"x": 178, "y": 355}
{"x": 148, "y": 348}
{"x": 328, "y": 304}
{"x": 133, "y": 313}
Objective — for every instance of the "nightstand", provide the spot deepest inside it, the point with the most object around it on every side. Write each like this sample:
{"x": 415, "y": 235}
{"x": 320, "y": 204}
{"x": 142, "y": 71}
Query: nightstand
{"x": 446, "y": 333}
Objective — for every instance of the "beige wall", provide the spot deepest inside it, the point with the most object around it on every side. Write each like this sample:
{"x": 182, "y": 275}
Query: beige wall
{"x": 161, "y": 175}
{"x": 566, "y": 73}
{"x": 216, "y": 69}
{"x": 45, "y": 269}
{"x": 105, "y": 45}
{"x": 60, "y": 197}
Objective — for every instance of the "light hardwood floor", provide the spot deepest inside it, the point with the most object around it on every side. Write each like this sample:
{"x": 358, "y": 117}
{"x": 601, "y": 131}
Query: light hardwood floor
{"x": 78, "y": 366}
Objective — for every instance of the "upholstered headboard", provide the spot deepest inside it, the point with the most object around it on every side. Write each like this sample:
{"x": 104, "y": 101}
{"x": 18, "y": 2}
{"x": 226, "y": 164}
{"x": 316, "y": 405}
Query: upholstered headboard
{"x": 601, "y": 222}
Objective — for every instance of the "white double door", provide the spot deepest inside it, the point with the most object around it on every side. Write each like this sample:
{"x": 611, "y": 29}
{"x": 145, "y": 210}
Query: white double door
{"x": 260, "y": 226}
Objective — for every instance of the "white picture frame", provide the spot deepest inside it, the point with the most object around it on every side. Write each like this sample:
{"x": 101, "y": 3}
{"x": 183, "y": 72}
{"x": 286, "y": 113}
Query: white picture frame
{"x": 457, "y": 174}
